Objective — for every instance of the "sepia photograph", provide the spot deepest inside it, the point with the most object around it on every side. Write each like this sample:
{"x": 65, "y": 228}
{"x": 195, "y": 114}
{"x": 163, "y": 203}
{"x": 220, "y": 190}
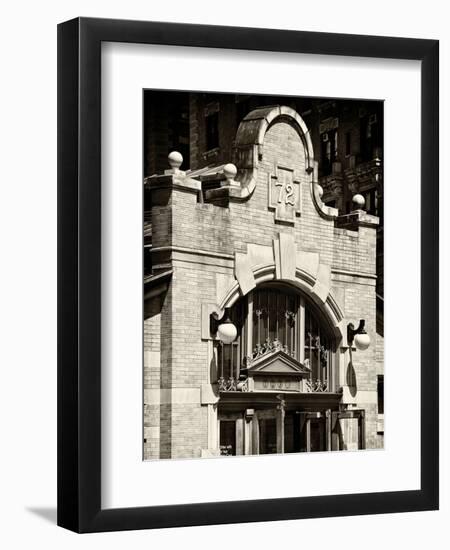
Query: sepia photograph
{"x": 221, "y": 280}
{"x": 263, "y": 274}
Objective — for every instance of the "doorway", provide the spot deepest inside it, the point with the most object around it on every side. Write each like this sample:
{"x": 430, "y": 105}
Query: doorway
{"x": 267, "y": 436}
{"x": 315, "y": 431}
{"x": 271, "y": 431}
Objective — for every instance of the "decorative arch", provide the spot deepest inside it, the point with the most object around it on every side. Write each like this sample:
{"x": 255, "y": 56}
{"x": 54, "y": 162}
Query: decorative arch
{"x": 281, "y": 322}
{"x": 249, "y": 151}
{"x": 305, "y": 283}
{"x": 254, "y": 126}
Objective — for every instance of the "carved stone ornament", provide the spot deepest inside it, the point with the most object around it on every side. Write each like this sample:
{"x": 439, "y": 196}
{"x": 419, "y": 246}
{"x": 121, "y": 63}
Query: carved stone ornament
{"x": 284, "y": 194}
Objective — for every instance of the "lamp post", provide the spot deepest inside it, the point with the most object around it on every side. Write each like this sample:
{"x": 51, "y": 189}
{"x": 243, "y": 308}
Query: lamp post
{"x": 223, "y": 327}
{"x": 359, "y": 336}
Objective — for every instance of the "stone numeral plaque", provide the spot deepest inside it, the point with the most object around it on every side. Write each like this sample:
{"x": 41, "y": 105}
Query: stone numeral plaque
{"x": 284, "y": 194}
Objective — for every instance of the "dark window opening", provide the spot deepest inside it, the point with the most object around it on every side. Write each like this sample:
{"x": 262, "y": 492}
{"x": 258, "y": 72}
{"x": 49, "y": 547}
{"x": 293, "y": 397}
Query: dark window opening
{"x": 348, "y": 143}
{"x": 380, "y": 391}
{"x": 371, "y": 205}
{"x": 317, "y": 435}
{"x": 328, "y": 151}
{"x": 292, "y": 443}
{"x": 242, "y": 110}
{"x": 212, "y": 131}
{"x": 348, "y": 207}
{"x": 267, "y": 436}
{"x": 370, "y": 137}
{"x": 380, "y": 213}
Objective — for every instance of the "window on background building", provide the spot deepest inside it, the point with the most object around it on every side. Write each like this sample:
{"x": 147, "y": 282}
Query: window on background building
{"x": 212, "y": 130}
{"x": 275, "y": 313}
{"x": 242, "y": 110}
{"x": 348, "y": 143}
{"x": 369, "y": 137}
{"x": 348, "y": 207}
{"x": 328, "y": 151}
{"x": 380, "y": 212}
{"x": 380, "y": 392}
{"x": 371, "y": 206}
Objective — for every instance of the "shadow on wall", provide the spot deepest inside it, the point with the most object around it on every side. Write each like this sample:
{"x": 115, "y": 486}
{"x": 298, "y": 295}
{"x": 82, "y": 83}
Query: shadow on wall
{"x": 351, "y": 379}
{"x": 213, "y": 373}
{"x": 337, "y": 433}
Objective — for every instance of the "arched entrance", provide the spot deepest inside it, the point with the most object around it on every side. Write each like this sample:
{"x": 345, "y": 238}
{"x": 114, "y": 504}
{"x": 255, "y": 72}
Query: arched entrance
{"x": 277, "y": 382}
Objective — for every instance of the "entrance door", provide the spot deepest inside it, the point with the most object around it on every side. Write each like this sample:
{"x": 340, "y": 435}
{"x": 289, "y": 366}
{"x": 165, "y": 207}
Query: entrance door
{"x": 315, "y": 431}
{"x": 228, "y": 437}
{"x": 251, "y": 432}
{"x": 292, "y": 435}
{"x": 271, "y": 431}
{"x": 348, "y": 430}
{"x": 317, "y": 440}
{"x": 231, "y": 436}
{"x": 267, "y": 436}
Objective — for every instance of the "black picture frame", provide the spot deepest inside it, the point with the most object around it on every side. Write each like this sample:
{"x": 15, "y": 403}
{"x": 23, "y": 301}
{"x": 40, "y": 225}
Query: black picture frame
{"x": 79, "y": 274}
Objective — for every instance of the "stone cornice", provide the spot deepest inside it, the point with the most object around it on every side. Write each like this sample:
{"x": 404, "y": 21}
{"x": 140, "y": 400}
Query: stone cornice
{"x": 357, "y": 219}
{"x": 156, "y": 284}
{"x": 358, "y": 274}
{"x": 179, "y": 181}
{"x": 194, "y": 251}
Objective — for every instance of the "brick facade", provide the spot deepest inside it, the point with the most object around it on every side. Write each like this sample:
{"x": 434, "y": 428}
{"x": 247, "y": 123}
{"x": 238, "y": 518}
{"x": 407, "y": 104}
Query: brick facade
{"x": 209, "y": 249}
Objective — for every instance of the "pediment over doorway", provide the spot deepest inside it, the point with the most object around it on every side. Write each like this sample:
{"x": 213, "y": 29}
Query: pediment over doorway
{"x": 276, "y": 362}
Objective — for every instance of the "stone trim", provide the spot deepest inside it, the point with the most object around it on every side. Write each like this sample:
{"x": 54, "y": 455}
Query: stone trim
{"x": 287, "y": 256}
{"x": 209, "y": 394}
{"x": 164, "y": 257}
{"x": 194, "y": 251}
{"x": 172, "y": 395}
{"x": 326, "y": 212}
{"x": 322, "y": 285}
{"x": 243, "y": 273}
{"x": 359, "y": 274}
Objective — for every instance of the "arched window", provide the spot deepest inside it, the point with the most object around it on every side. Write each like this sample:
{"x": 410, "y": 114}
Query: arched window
{"x": 276, "y": 314}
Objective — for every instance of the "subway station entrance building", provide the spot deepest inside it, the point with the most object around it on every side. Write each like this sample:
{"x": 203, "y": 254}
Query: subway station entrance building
{"x": 249, "y": 249}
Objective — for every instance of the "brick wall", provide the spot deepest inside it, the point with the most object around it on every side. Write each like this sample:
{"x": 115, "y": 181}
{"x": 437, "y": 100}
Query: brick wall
{"x": 152, "y": 377}
{"x": 174, "y": 330}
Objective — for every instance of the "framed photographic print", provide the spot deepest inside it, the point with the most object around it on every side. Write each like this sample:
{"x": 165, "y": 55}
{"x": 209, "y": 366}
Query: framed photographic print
{"x": 248, "y": 275}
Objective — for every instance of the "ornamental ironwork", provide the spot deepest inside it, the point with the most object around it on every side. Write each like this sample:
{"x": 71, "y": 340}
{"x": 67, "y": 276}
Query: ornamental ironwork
{"x": 229, "y": 384}
{"x": 290, "y": 316}
{"x": 308, "y": 385}
{"x": 316, "y": 386}
{"x": 269, "y": 346}
{"x": 314, "y": 344}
